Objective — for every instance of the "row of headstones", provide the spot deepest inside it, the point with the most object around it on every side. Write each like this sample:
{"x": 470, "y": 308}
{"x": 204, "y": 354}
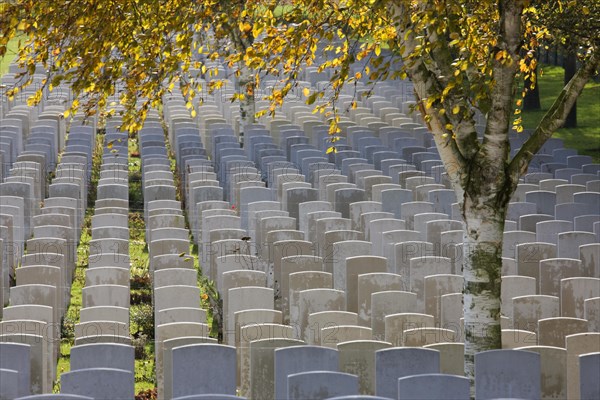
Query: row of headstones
{"x": 556, "y": 199}
{"x": 33, "y": 141}
{"x": 102, "y": 342}
{"x": 183, "y": 134}
{"x": 41, "y": 296}
{"x": 178, "y": 318}
{"x": 285, "y": 369}
{"x": 24, "y": 167}
{"x": 563, "y": 283}
{"x": 288, "y": 370}
{"x": 26, "y": 128}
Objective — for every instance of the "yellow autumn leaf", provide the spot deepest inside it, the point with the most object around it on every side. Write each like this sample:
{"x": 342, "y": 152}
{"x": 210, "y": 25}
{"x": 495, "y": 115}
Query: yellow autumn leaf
{"x": 331, "y": 150}
{"x": 306, "y": 92}
{"x": 377, "y": 50}
{"x": 456, "y": 109}
{"x": 245, "y": 27}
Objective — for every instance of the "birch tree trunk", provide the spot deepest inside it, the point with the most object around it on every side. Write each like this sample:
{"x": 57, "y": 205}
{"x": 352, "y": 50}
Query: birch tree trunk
{"x": 482, "y": 264}
{"x": 247, "y": 87}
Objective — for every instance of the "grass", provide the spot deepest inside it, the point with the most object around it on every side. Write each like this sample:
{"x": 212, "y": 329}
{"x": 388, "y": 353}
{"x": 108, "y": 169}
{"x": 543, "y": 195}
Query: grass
{"x": 141, "y": 323}
{"x": 586, "y": 137}
{"x": 11, "y": 52}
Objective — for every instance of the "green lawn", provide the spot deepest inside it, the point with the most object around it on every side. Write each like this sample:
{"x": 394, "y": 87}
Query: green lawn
{"x": 586, "y": 137}
{"x": 11, "y": 53}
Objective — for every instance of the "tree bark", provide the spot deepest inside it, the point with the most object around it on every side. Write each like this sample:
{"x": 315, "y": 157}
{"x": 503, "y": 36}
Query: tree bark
{"x": 532, "y": 97}
{"x": 482, "y": 264}
{"x": 246, "y": 86}
{"x": 570, "y": 64}
{"x": 488, "y": 189}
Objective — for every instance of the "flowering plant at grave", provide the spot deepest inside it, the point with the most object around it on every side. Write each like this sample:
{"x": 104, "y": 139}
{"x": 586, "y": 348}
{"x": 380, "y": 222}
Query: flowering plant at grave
{"x": 212, "y": 302}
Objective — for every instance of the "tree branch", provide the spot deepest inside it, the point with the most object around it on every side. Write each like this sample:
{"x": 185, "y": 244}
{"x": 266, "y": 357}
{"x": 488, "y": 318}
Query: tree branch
{"x": 426, "y": 85}
{"x": 555, "y": 117}
{"x": 464, "y": 123}
{"x": 496, "y": 147}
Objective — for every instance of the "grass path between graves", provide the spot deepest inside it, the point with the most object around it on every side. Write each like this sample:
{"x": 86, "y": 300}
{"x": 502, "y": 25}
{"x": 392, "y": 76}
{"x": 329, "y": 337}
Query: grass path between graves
{"x": 141, "y": 312}
{"x": 586, "y": 137}
{"x": 72, "y": 315}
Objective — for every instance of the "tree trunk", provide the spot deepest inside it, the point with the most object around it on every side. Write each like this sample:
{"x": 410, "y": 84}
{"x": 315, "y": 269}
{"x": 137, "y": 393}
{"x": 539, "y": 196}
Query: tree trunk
{"x": 532, "y": 97}
{"x": 481, "y": 270}
{"x": 246, "y": 86}
{"x": 570, "y": 64}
